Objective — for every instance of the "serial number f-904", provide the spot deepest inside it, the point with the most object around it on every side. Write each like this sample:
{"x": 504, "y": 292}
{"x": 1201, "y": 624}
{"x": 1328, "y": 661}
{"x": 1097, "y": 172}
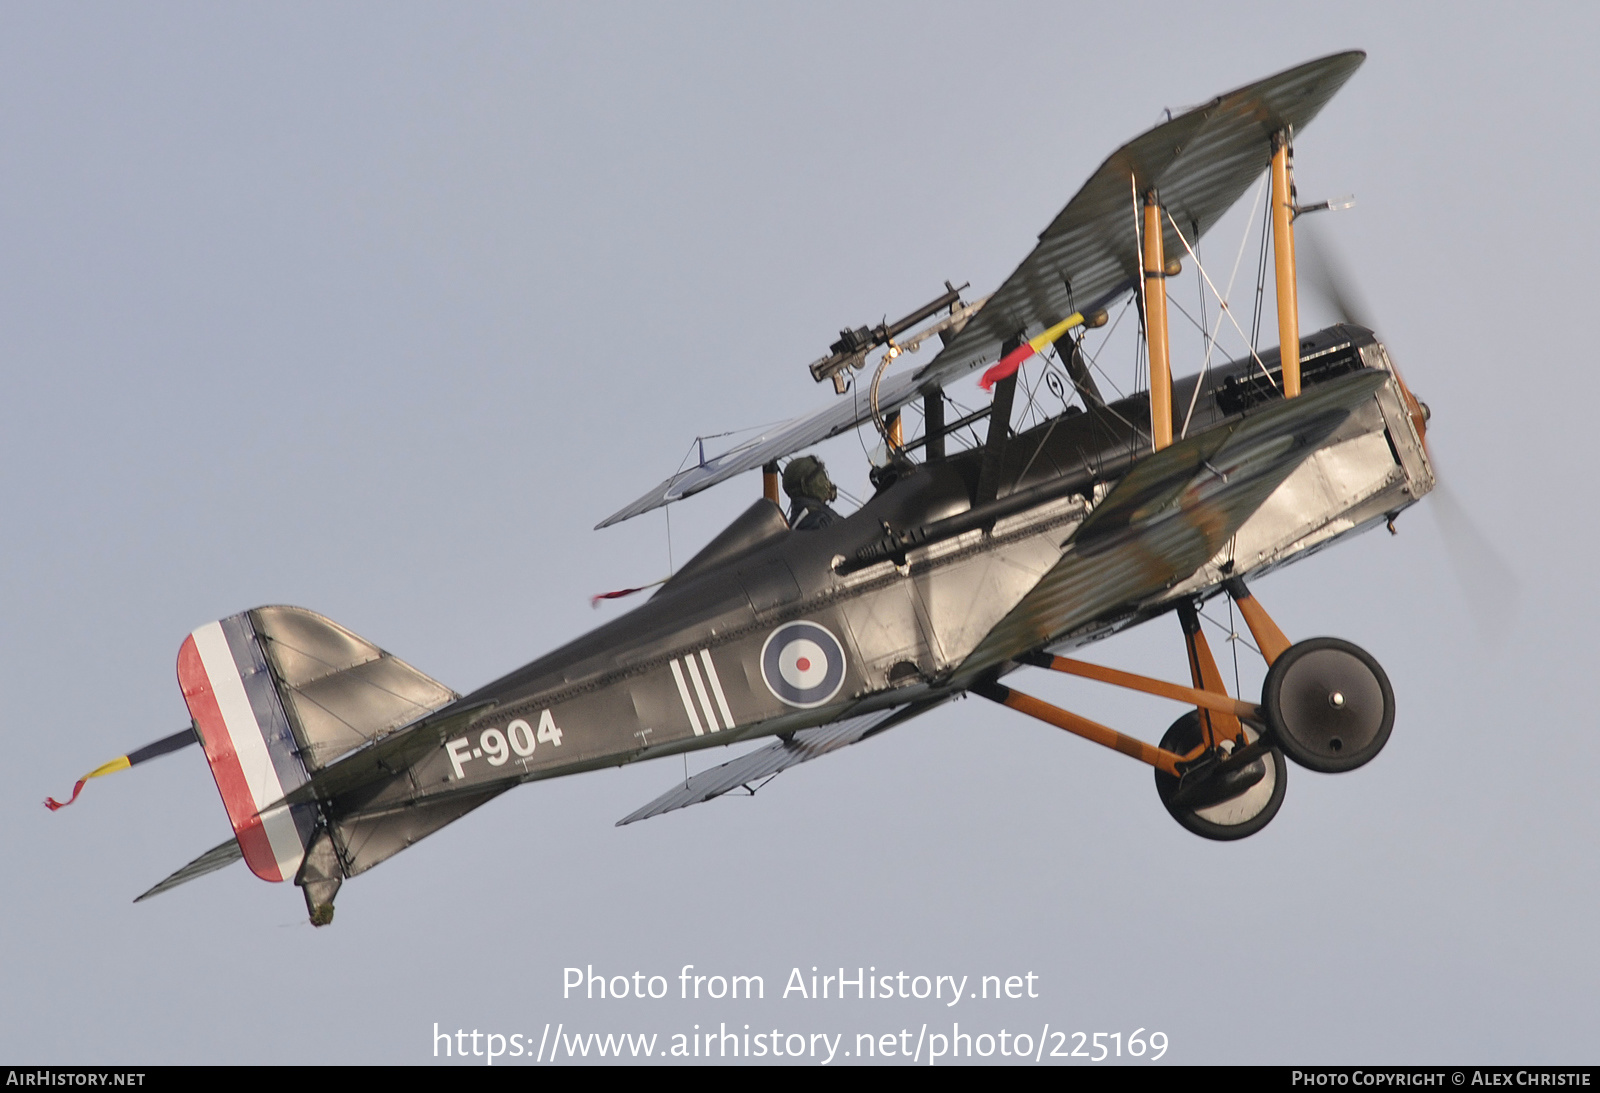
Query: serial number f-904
{"x": 518, "y": 738}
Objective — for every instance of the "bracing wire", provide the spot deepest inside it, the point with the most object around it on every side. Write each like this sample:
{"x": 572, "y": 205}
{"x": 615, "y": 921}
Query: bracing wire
{"x": 1225, "y": 310}
{"x": 1233, "y": 633}
{"x": 1211, "y": 339}
{"x": 1261, "y": 280}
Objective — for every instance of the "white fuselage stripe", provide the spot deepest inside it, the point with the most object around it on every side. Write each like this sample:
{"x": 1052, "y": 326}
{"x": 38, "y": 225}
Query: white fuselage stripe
{"x": 249, "y": 746}
{"x": 716, "y": 688}
{"x": 688, "y": 703}
{"x": 700, "y": 689}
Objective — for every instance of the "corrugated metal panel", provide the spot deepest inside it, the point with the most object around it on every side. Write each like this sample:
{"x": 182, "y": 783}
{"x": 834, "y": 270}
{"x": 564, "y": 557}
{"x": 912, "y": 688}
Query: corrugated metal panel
{"x": 1200, "y": 162}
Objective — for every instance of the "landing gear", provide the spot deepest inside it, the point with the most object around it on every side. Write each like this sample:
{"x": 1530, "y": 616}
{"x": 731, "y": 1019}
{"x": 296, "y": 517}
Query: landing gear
{"x": 1220, "y": 770}
{"x": 1329, "y": 705}
{"x": 1219, "y": 801}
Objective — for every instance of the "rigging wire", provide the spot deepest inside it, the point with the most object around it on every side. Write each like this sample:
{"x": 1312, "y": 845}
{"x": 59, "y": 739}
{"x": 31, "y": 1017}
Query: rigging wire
{"x": 1261, "y": 280}
{"x": 1094, "y": 358}
{"x": 1028, "y": 466}
{"x": 1233, "y": 627}
{"x": 666, "y": 508}
{"x": 1232, "y": 277}
{"x": 1032, "y": 414}
{"x": 1233, "y": 635}
{"x": 966, "y": 411}
{"x": 1254, "y": 355}
{"x": 1093, "y": 361}
{"x": 1111, "y": 409}
{"x": 1144, "y": 303}
{"x": 1139, "y": 355}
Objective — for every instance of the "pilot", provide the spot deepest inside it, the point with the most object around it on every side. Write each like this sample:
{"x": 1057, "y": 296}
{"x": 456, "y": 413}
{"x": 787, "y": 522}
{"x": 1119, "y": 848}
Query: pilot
{"x": 810, "y": 489}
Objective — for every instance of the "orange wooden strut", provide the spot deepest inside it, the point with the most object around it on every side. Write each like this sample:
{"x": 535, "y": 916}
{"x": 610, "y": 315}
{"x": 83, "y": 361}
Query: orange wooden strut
{"x": 1082, "y": 726}
{"x": 1216, "y": 725}
{"x": 1269, "y": 639}
{"x": 1205, "y": 699}
{"x": 769, "y": 484}
{"x": 1283, "y": 257}
{"x": 1155, "y": 324}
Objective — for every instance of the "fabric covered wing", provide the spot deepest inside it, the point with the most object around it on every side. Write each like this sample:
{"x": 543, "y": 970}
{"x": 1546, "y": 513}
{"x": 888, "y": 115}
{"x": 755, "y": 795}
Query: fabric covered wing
{"x": 1173, "y": 512}
{"x": 780, "y": 755}
{"x": 1200, "y": 162}
{"x": 775, "y": 443}
{"x": 218, "y": 856}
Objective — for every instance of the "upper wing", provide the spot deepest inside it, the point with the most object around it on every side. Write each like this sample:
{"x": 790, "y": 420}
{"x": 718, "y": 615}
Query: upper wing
{"x": 1171, "y": 514}
{"x": 780, "y": 755}
{"x": 1200, "y": 162}
{"x": 775, "y": 443}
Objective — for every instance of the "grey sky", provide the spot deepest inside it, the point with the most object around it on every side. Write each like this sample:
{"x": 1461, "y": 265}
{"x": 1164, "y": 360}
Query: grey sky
{"x": 378, "y": 309}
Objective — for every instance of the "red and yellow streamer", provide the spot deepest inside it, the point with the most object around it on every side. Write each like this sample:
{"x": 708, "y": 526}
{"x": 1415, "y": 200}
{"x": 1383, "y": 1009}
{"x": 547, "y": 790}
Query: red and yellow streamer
{"x": 1012, "y": 361}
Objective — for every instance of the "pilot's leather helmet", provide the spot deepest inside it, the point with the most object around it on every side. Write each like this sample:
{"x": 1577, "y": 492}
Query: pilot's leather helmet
{"x": 805, "y": 478}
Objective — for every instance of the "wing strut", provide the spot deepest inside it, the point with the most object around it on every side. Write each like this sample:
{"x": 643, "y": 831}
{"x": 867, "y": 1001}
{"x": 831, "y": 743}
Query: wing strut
{"x": 1283, "y": 260}
{"x": 1155, "y": 324}
{"x": 994, "y": 449}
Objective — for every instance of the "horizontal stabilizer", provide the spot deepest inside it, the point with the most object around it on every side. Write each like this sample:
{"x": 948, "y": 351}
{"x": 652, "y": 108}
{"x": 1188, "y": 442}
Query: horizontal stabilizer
{"x": 209, "y": 862}
{"x": 780, "y": 755}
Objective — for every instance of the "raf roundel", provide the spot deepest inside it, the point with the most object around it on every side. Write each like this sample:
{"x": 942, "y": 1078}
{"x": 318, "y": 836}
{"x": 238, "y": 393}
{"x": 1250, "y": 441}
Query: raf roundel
{"x": 803, "y": 664}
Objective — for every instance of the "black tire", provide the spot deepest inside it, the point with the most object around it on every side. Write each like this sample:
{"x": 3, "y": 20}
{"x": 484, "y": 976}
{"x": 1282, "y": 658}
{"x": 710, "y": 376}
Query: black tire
{"x": 1329, "y": 705}
{"x": 1236, "y": 817}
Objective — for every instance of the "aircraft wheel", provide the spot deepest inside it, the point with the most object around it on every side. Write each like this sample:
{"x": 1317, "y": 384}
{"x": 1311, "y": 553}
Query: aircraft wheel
{"x": 1329, "y": 705}
{"x": 1242, "y": 804}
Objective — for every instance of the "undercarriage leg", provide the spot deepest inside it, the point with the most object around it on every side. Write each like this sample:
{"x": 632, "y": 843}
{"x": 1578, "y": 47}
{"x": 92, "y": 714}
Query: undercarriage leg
{"x": 1215, "y": 725}
{"x": 1081, "y": 726}
{"x": 1328, "y": 703}
{"x": 1269, "y": 639}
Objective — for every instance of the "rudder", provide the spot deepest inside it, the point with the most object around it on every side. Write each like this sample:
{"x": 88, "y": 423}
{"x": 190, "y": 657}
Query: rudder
{"x": 248, "y": 742}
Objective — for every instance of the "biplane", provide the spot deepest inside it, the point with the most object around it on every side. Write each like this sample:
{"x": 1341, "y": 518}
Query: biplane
{"x": 818, "y": 630}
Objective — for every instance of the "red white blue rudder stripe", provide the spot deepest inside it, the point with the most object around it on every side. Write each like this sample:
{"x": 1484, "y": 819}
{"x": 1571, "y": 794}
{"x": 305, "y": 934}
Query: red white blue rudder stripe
{"x": 248, "y": 742}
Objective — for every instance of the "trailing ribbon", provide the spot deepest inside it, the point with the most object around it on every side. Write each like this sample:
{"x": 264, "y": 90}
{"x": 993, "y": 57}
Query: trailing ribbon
{"x": 123, "y": 762}
{"x": 594, "y": 601}
{"x": 1012, "y": 361}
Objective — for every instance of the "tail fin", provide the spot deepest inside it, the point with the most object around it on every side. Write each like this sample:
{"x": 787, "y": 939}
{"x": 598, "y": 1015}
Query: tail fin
{"x": 277, "y": 694}
{"x": 245, "y": 731}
